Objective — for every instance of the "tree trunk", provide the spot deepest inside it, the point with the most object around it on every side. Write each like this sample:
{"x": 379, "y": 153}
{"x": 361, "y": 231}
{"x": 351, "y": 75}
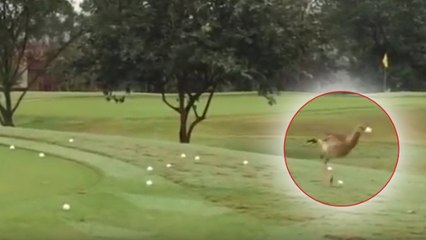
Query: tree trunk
{"x": 8, "y": 119}
{"x": 7, "y": 113}
{"x": 184, "y": 112}
{"x": 185, "y": 107}
{"x": 184, "y": 137}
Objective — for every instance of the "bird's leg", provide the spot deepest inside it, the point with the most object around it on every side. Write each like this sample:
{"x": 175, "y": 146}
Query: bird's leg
{"x": 331, "y": 177}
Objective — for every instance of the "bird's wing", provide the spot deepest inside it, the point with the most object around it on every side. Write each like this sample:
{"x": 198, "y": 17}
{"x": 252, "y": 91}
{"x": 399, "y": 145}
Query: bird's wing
{"x": 334, "y": 137}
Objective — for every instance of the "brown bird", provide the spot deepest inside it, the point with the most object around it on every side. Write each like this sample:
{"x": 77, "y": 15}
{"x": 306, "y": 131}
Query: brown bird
{"x": 339, "y": 145}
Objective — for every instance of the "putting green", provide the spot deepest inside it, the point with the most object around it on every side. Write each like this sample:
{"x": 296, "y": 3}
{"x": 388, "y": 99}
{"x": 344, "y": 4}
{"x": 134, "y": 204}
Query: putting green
{"x": 24, "y": 174}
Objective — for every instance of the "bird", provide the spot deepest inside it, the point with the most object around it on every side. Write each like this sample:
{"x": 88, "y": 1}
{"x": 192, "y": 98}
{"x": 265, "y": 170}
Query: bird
{"x": 335, "y": 145}
{"x": 107, "y": 95}
{"x": 121, "y": 99}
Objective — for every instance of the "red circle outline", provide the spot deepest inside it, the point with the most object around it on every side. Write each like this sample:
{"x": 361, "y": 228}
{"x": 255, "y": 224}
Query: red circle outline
{"x": 342, "y": 205}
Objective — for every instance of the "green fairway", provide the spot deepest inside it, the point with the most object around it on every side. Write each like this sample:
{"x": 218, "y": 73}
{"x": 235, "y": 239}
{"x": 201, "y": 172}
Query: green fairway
{"x": 103, "y": 177}
{"x": 233, "y": 121}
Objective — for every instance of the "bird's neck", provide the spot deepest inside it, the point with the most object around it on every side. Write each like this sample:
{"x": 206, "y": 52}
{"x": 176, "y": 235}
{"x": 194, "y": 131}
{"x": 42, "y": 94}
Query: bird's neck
{"x": 353, "y": 139}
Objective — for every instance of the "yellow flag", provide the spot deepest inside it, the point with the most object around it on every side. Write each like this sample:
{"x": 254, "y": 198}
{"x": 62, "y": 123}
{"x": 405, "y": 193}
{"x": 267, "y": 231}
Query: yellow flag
{"x": 385, "y": 61}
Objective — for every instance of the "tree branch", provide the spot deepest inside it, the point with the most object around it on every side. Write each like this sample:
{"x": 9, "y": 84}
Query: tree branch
{"x": 194, "y": 108}
{"x": 196, "y": 96}
{"x": 5, "y": 60}
{"x": 191, "y": 103}
{"x": 164, "y": 98}
{"x": 191, "y": 100}
{"x": 47, "y": 63}
{"x": 22, "y": 50}
{"x": 2, "y": 111}
{"x": 206, "y": 108}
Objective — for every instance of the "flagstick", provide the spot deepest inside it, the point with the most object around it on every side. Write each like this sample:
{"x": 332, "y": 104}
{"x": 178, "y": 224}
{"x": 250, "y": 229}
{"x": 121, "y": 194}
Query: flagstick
{"x": 385, "y": 75}
{"x": 385, "y": 72}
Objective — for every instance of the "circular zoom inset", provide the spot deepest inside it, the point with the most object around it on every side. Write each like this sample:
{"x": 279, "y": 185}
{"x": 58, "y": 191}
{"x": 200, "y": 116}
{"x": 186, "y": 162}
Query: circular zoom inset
{"x": 341, "y": 148}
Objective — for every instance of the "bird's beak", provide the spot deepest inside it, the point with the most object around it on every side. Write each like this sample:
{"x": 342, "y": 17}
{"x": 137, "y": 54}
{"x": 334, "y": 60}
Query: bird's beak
{"x": 368, "y": 130}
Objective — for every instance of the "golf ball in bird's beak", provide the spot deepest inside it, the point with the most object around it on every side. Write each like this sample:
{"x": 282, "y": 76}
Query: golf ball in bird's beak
{"x": 368, "y": 130}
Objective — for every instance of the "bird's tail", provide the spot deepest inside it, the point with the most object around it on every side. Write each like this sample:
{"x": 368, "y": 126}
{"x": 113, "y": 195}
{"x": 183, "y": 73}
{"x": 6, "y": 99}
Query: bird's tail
{"x": 312, "y": 140}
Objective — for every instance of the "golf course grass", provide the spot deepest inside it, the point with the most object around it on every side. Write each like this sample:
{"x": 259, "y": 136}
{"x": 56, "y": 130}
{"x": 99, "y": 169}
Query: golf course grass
{"x": 102, "y": 174}
{"x": 24, "y": 174}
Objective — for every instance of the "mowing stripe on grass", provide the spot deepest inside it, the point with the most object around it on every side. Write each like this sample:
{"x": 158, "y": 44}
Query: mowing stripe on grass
{"x": 185, "y": 206}
{"x": 109, "y": 232}
{"x": 109, "y": 166}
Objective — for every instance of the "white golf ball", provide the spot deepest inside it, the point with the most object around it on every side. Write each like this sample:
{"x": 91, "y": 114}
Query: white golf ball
{"x": 329, "y": 168}
{"x": 12, "y": 147}
{"x": 41, "y": 154}
{"x": 368, "y": 130}
{"x": 245, "y": 162}
{"x": 149, "y": 183}
{"x": 71, "y": 140}
{"x": 196, "y": 158}
{"x": 183, "y": 155}
{"x": 149, "y": 168}
{"x": 66, "y": 206}
{"x": 340, "y": 182}
{"x": 169, "y": 165}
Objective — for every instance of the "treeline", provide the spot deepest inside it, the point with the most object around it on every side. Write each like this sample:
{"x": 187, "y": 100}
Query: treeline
{"x": 295, "y": 44}
{"x": 253, "y": 45}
